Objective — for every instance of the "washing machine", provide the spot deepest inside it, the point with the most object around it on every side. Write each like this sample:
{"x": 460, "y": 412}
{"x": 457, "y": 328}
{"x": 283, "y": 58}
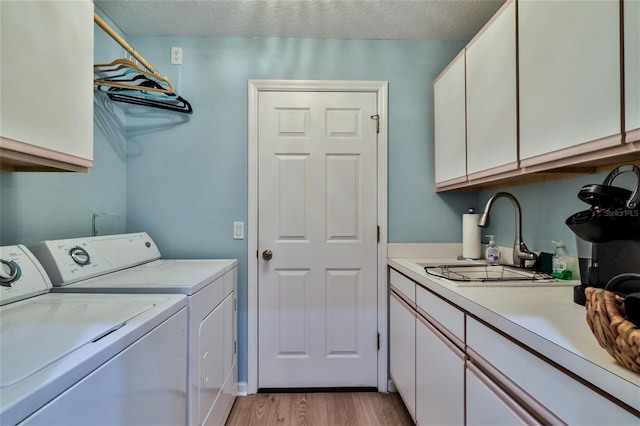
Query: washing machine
{"x": 68, "y": 359}
{"x": 132, "y": 264}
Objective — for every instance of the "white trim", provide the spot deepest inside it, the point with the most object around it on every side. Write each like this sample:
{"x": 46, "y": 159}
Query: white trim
{"x": 241, "y": 389}
{"x": 381, "y": 88}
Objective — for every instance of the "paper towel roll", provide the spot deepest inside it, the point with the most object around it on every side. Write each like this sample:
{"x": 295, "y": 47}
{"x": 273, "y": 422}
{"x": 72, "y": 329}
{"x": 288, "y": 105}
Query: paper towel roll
{"x": 471, "y": 245}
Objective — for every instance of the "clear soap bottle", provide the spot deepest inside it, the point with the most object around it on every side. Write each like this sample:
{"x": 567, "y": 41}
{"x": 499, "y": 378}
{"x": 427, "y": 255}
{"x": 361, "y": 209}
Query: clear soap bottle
{"x": 492, "y": 253}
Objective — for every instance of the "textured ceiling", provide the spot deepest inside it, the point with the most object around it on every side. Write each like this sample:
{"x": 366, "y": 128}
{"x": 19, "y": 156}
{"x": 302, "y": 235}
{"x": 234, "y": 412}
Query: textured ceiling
{"x": 453, "y": 20}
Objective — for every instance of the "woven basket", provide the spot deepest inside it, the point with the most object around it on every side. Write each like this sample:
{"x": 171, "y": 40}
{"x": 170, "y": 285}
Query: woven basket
{"x": 607, "y": 319}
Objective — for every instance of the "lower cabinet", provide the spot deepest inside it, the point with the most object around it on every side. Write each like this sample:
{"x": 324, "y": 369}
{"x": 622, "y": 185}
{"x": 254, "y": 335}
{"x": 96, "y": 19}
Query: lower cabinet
{"x": 402, "y": 351}
{"x": 439, "y": 377}
{"x": 426, "y": 357}
{"x": 543, "y": 391}
{"x": 452, "y": 369}
{"x": 488, "y": 404}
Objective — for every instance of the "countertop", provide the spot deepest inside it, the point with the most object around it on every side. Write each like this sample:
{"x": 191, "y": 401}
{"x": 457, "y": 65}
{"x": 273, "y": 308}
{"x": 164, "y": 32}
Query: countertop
{"x": 544, "y": 318}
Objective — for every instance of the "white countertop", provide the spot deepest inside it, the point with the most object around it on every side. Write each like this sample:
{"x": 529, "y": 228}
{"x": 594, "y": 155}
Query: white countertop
{"x": 544, "y": 318}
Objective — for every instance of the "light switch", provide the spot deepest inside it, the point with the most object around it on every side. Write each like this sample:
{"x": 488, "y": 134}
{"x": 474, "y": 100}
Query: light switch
{"x": 238, "y": 230}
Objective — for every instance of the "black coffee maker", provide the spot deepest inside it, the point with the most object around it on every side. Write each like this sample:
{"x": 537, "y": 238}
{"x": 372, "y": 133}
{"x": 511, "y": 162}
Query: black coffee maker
{"x": 612, "y": 225}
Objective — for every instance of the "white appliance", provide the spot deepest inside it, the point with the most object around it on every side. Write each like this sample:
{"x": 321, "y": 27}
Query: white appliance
{"x": 130, "y": 263}
{"x": 84, "y": 358}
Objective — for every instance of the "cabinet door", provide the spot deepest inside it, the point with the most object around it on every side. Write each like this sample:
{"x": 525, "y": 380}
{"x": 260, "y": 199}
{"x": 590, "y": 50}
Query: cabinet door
{"x": 47, "y": 79}
{"x": 439, "y": 378}
{"x": 632, "y": 69}
{"x": 569, "y": 77}
{"x": 449, "y": 116}
{"x": 402, "y": 351}
{"x": 488, "y": 405}
{"x": 491, "y": 96}
{"x": 556, "y": 396}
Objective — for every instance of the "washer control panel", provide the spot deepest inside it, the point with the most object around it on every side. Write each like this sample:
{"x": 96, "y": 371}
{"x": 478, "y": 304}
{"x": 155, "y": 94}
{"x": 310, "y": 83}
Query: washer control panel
{"x": 21, "y": 275}
{"x": 72, "y": 260}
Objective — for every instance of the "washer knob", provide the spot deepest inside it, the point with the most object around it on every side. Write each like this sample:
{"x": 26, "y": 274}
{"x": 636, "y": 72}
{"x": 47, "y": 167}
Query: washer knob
{"x": 80, "y": 256}
{"x": 9, "y": 272}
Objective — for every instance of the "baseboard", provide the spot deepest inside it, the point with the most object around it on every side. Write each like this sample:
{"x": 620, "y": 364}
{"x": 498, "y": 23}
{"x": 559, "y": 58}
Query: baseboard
{"x": 241, "y": 389}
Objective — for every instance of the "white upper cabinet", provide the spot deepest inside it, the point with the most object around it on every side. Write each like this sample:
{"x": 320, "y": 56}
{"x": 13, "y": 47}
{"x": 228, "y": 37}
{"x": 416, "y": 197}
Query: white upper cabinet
{"x": 569, "y": 78}
{"x": 632, "y": 69}
{"x": 492, "y": 144}
{"x": 46, "y": 81}
{"x": 449, "y": 116}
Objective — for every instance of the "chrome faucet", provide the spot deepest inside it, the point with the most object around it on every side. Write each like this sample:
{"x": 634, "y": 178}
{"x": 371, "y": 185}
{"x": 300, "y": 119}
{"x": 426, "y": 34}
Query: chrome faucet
{"x": 520, "y": 251}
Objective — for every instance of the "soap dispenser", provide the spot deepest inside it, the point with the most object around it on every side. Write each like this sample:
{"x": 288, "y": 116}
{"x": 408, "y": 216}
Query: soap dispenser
{"x": 561, "y": 262}
{"x": 492, "y": 253}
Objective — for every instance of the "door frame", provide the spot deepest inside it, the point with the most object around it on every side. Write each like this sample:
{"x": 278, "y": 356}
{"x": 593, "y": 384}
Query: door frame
{"x": 381, "y": 88}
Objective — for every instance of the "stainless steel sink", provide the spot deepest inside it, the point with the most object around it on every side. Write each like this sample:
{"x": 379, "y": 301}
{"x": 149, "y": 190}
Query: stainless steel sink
{"x": 489, "y": 275}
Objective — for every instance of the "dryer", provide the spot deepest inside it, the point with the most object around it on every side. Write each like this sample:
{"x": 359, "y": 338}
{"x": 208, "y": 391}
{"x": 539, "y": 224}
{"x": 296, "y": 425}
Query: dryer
{"x": 86, "y": 358}
{"x": 132, "y": 264}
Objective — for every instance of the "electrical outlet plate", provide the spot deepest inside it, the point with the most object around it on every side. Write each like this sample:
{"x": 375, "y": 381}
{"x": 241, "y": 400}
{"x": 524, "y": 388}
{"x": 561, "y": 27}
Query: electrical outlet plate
{"x": 176, "y": 55}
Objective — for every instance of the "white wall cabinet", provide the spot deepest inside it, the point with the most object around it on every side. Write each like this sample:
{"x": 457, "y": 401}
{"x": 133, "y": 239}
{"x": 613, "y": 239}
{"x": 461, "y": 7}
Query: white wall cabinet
{"x": 569, "y": 78}
{"x": 492, "y": 134}
{"x": 632, "y": 69}
{"x": 450, "y": 131}
{"x": 46, "y": 80}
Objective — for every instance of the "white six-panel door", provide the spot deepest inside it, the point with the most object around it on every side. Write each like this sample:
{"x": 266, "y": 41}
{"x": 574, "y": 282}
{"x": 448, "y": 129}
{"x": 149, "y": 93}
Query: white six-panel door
{"x": 317, "y": 215}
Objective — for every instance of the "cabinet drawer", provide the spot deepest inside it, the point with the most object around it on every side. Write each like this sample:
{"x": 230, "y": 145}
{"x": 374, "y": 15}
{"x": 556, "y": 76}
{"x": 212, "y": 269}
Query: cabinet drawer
{"x": 565, "y": 397}
{"x": 442, "y": 313}
{"x": 403, "y": 284}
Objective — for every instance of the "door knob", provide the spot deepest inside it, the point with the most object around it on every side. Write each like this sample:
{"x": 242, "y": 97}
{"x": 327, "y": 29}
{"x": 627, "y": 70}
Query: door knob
{"x": 267, "y": 254}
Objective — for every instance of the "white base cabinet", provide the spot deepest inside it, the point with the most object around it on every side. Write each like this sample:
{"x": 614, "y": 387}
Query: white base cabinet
{"x": 427, "y": 358}
{"x": 488, "y": 405}
{"x": 452, "y": 369}
{"x": 439, "y": 377}
{"x": 546, "y": 392}
{"x": 402, "y": 351}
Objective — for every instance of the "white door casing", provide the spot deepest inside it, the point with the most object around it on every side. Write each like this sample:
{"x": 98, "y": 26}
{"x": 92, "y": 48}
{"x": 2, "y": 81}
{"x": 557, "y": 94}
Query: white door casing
{"x": 323, "y": 311}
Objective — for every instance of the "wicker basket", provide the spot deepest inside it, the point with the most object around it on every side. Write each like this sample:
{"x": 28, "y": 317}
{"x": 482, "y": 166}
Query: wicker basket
{"x": 607, "y": 319}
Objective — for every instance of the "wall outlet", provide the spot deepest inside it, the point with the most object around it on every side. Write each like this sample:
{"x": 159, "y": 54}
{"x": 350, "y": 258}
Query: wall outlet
{"x": 238, "y": 230}
{"x": 176, "y": 55}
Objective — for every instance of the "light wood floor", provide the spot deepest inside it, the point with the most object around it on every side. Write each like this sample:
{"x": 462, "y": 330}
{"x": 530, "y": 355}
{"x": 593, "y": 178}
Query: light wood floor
{"x": 320, "y": 409}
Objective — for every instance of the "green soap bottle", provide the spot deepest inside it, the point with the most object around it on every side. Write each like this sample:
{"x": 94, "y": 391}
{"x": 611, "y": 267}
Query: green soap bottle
{"x": 561, "y": 262}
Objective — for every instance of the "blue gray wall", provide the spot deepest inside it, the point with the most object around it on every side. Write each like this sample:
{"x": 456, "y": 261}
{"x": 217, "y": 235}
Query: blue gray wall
{"x": 187, "y": 182}
{"x": 183, "y": 178}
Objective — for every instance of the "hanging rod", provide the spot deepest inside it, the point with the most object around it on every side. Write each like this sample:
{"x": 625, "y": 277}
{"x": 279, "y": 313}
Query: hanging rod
{"x": 122, "y": 42}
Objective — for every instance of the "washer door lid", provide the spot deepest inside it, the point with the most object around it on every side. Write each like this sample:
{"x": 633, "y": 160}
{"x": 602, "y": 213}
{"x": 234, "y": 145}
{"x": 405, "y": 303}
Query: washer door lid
{"x": 39, "y": 333}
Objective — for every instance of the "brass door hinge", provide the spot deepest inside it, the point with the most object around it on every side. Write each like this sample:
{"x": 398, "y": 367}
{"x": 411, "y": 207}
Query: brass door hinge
{"x": 377, "y": 118}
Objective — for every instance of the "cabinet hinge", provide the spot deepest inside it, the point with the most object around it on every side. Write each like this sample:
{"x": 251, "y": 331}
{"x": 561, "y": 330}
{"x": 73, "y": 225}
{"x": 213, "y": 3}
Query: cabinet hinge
{"x": 378, "y": 234}
{"x": 235, "y": 346}
{"x": 377, "y": 118}
{"x": 378, "y": 343}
